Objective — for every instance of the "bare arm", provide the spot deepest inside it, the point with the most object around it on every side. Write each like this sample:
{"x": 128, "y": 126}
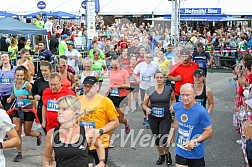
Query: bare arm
{"x": 48, "y": 149}
{"x": 173, "y": 101}
{"x": 13, "y": 141}
{"x": 43, "y": 116}
{"x": 146, "y": 104}
{"x": 206, "y": 134}
{"x": 136, "y": 77}
{"x": 210, "y": 100}
{"x": 31, "y": 68}
{"x": 114, "y": 123}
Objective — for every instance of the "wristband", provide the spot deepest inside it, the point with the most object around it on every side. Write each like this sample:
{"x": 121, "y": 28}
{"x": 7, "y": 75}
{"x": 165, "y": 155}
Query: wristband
{"x": 102, "y": 160}
{"x": 1, "y": 145}
{"x": 27, "y": 97}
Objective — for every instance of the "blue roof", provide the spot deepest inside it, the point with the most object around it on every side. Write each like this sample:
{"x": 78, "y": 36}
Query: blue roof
{"x": 4, "y": 14}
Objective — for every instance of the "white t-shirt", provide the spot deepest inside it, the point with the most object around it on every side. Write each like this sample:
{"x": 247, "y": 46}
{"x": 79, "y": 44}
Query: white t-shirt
{"x": 73, "y": 62}
{"x": 48, "y": 26}
{"x": 5, "y": 126}
{"x": 146, "y": 72}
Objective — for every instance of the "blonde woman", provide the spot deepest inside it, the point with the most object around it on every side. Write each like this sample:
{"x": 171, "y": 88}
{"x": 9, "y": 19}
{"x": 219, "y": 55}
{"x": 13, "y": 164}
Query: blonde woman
{"x": 70, "y": 141}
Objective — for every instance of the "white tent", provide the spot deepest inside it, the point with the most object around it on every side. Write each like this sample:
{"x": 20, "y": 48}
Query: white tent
{"x": 126, "y": 7}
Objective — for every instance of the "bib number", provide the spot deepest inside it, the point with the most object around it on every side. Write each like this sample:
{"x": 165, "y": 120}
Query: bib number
{"x": 146, "y": 78}
{"x": 52, "y": 106}
{"x": 132, "y": 79}
{"x": 20, "y": 103}
{"x": 115, "y": 92}
{"x": 157, "y": 111}
{"x": 88, "y": 125}
{"x": 199, "y": 101}
{"x": 5, "y": 80}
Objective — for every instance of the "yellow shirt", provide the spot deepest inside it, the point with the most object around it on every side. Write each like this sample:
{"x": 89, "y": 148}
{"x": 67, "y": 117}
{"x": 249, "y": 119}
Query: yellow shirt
{"x": 99, "y": 111}
{"x": 163, "y": 65}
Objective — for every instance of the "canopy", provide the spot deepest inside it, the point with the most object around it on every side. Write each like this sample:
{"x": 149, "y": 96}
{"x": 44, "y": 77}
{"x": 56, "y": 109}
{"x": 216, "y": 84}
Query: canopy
{"x": 34, "y": 15}
{"x": 4, "y": 14}
{"x": 202, "y": 18}
{"x": 63, "y": 15}
{"x": 13, "y": 26}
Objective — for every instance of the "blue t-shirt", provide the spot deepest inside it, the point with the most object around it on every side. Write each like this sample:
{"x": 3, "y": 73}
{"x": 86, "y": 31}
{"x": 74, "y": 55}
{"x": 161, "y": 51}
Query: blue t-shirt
{"x": 191, "y": 124}
{"x": 170, "y": 55}
{"x": 201, "y": 59}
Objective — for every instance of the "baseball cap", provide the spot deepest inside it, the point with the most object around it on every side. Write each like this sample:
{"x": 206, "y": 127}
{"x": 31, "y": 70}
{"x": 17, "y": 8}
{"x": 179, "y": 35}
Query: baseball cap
{"x": 69, "y": 42}
{"x": 185, "y": 52}
{"x": 90, "y": 80}
{"x": 198, "y": 72}
{"x": 64, "y": 36}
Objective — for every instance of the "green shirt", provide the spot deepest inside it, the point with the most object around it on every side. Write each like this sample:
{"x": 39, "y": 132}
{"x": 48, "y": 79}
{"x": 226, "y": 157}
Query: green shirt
{"x": 62, "y": 47}
{"x": 39, "y": 23}
{"x": 29, "y": 48}
{"x": 98, "y": 67}
{"x": 11, "y": 50}
{"x": 91, "y": 54}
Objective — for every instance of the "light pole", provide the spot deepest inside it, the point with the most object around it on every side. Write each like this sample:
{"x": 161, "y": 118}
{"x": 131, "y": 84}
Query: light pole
{"x": 175, "y": 21}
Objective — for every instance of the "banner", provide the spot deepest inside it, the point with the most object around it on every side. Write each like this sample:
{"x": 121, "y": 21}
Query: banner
{"x": 194, "y": 11}
{"x": 90, "y": 7}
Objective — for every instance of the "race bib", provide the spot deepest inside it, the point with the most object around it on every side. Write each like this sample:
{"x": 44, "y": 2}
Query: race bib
{"x": 20, "y": 102}
{"x": 5, "y": 80}
{"x": 201, "y": 63}
{"x": 200, "y": 101}
{"x": 146, "y": 78}
{"x": 88, "y": 125}
{"x": 183, "y": 137}
{"x": 157, "y": 111}
{"x": 52, "y": 106}
{"x": 115, "y": 92}
{"x": 132, "y": 79}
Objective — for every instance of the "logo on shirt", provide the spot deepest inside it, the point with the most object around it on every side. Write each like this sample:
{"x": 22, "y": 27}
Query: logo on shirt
{"x": 184, "y": 118}
{"x": 87, "y": 114}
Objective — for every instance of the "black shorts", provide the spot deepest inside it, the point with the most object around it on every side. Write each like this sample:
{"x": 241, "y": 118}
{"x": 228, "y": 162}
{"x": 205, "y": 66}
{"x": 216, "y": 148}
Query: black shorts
{"x": 190, "y": 162}
{"x": 135, "y": 88}
{"x": 28, "y": 116}
{"x": 92, "y": 155}
{"x": 119, "y": 102}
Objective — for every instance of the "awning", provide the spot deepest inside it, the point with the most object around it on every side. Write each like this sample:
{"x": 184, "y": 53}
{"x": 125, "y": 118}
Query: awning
{"x": 4, "y": 14}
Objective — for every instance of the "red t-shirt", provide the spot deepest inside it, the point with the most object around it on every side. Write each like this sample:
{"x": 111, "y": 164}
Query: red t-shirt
{"x": 122, "y": 44}
{"x": 140, "y": 59}
{"x": 49, "y": 101}
{"x": 130, "y": 71}
{"x": 125, "y": 62}
{"x": 118, "y": 77}
{"x": 186, "y": 72}
{"x": 249, "y": 78}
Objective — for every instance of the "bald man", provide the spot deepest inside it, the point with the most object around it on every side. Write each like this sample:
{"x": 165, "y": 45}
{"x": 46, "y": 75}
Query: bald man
{"x": 193, "y": 125}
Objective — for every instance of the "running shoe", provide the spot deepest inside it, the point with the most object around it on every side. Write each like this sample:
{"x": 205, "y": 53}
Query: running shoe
{"x": 238, "y": 130}
{"x": 144, "y": 121}
{"x": 39, "y": 139}
{"x": 127, "y": 128}
{"x": 18, "y": 158}
{"x": 147, "y": 124}
{"x": 239, "y": 141}
{"x": 111, "y": 144}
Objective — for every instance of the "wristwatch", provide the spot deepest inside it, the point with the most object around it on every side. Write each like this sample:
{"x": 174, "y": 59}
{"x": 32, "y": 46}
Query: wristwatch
{"x": 195, "y": 142}
{"x": 101, "y": 131}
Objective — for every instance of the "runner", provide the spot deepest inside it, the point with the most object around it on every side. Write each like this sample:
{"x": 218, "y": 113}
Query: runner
{"x": 163, "y": 64}
{"x": 7, "y": 78}
{"x": 50, "y": 97}
{"x": 26, "y": 62}
{"x": 7, "y": 128}
{"x": 22, "y": 112}
{"x": 158, "y": 108}
{"x": 119, "y": 82}
{"x": 73, "y": 56}
{"x": 146, "y": 69}
{"x": 203, "y": 93}
{"x": 125, "y": 58}
{"x": 99, "y": 65}
{"x": 182, "y": 72}
{"x": 68, "y": 81}
{"x": 193, "y": 125}
{"x": 87, "y": 62}
{"x": 202, "y": 58}
{"x": 71, "y": 150}
{"x": 13, "y": 50}
{"x": 40, "y": 85}
{"x": 133, "y": 84}
{"x": 100, "y": 114}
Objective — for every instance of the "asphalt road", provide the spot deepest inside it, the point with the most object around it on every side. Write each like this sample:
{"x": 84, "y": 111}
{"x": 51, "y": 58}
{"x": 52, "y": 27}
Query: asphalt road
{"x": 138, "y": 151}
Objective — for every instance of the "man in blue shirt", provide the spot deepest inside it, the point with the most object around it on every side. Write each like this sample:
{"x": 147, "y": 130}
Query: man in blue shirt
{"x": 202, "y": 58}
{"x": 169, "y": 53}
{"x": 193, "y": 125}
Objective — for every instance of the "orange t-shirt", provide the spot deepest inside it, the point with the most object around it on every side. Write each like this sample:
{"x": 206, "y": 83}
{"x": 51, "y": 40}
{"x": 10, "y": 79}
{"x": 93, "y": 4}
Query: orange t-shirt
{"x": 118, "y": 77}
{"x": 96, "y": 114}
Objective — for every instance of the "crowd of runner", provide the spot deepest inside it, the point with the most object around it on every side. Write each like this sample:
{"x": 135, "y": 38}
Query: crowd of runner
{"x": 65, "y": 95}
